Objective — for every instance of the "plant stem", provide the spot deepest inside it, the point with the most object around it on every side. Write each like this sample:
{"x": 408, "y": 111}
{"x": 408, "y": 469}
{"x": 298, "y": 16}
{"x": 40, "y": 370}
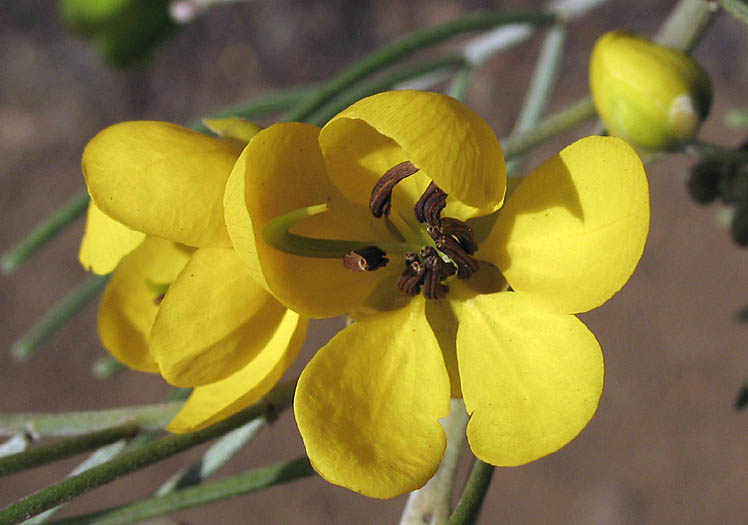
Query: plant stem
{"x": 149, "y": 417}
{"x": 686, "y": 24}
{"x": 44, "y": 454}
{"x": 191, "y": 497}
{"x": 471, "y": 501}
{"x": 570, "y": 117}
{"x": 43, "y": 232}
{"x": 398, "y": 49}
{"x": 97, "y": 458}
{"x": 430, "y": 505}
{"x": 67, "y": 489}
{"x": 541, "y": 86}
{"x": 214, "y": 458}
{"x": 458, "y": 87}
{"x": 737, "y": 8}
{"x": 72, "y": 303}
{"x": 396, "y": 76}
{"x": 543, "y": 79}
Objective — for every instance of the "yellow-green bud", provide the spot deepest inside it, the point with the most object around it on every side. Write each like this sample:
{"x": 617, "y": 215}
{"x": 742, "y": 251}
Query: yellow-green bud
{"x": 124, "y": 31}
{"x": 653, "y": 96}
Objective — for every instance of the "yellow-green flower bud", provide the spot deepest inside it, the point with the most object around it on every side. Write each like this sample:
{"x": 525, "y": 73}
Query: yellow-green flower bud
{"x": 653, "y": 96}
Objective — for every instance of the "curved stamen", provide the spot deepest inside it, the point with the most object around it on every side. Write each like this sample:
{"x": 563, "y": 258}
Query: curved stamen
{"x": 460, "y": 231}
{"x": 433, "y": 288}
{"x": 429, "y": 207}
{"x": 380, "y": 201}
{"x": 410, "y": 281}
{"x": 466, "y": 265}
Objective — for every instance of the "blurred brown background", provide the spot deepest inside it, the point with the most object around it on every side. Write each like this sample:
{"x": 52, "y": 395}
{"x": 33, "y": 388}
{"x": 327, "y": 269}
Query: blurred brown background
{"x": 666, "y": 445}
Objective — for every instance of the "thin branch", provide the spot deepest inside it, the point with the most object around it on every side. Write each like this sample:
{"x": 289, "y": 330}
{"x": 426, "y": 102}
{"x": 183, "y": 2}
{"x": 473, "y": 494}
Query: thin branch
{"x": 194, "y": 496}
{"x": 471, "y": 501}
{"x": 148, "y": 417}
{"x": 280, "y": 398}
{"x": 390, "y": 53}
{"x": 43, "y": 454}
{"x": 214, "y": 458}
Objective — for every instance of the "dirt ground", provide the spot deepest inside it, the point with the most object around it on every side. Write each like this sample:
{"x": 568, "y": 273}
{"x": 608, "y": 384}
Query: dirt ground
{"x": 666, "y": 445}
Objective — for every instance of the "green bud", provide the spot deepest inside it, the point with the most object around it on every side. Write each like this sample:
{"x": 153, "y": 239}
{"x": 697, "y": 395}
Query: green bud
{"x": 653, "y": 96}
{"x": 123, "y": 31}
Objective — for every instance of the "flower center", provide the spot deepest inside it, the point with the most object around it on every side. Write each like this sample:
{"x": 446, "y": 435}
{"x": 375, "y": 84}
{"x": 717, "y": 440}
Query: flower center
{"x": 427, "y": 264}
{"x": 426, "y": 271}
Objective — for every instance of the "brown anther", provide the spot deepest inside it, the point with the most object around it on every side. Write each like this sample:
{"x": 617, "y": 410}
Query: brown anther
{"x": 460, "y": 231}
{"x": 410, "y": 258}
{"x": 429, "y": 207}
{"x": 159, "y": 298}
{"x": 428, "y": 251}
{"x": 466, "y": 265}
{"x": 365, "y": 259}
{"x": 380, "y": 201}
{"x": 434, "y": 232}
{"x": 411, "y": 279}
{"x": 433, "y": 288}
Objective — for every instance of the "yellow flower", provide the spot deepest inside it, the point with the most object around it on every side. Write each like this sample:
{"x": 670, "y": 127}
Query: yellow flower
{"x": 653, "y": 96}
{"x": 368, "y": 404}
{"x": 180, "y": 302}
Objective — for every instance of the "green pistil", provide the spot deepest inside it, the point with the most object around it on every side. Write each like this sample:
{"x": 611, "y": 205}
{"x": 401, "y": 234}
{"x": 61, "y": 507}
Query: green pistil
{"x": 276, "y": 234}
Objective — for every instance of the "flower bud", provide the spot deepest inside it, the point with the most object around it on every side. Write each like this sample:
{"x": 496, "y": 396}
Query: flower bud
{"x": 653, "y": 96}
{"x": 123, "y": 31}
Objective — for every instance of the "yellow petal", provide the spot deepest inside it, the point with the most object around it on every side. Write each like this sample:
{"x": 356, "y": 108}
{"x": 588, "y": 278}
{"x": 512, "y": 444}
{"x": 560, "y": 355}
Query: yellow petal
{"x": 214, "y": 319}
{"x": 531, "y": 379}
{"x": 161, "y": 179}
{"x": 439, "y": 135}
{"x": 572, "y": 233}
{"x": 211, "y": 403}
{"x": 282, "y": 170}
{"x": 128, "y": 306}
{"x": 105, "y": 242}
{"x": 235, "y": 128}
{"x": 357, "y": 155}
{"x": 368, "y": 403}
